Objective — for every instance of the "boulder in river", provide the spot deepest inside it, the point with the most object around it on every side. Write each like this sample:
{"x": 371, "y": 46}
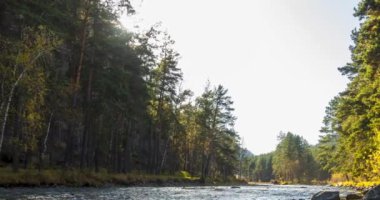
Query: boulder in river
{"x": 275, "y": 182}
{"x": 354, "y": 196}
{"x": 326, "y": 195}
{"x": 373, "y": 194}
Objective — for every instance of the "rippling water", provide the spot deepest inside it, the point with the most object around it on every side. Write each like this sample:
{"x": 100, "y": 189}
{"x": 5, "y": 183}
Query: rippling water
{"x": 267, "y": 192}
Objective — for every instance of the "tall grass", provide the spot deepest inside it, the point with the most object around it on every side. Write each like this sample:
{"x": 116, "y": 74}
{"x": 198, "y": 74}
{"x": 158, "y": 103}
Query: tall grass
{"x": 75, "y": 177}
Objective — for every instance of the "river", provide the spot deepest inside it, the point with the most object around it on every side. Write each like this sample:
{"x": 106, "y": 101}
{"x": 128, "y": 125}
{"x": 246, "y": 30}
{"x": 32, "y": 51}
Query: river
{"x": 260, "y": 192}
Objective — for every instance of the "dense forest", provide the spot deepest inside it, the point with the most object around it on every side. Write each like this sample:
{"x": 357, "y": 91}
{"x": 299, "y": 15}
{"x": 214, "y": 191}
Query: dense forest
{"x": 79, "y": 91}
{"x": 350, "y": 144}
{"x": 293, "y": 161}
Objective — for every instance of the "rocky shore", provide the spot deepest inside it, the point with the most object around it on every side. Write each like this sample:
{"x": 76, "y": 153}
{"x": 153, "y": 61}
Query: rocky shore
{"x": 370, "y": 194}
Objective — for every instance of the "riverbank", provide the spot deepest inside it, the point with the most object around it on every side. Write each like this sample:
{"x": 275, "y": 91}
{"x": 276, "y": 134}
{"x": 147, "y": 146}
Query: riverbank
{"x": 361, "y": 186}
{"x": 77, "y": 178}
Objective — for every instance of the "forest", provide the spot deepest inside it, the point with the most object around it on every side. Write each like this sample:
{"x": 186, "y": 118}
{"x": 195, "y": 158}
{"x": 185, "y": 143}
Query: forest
{"x": 79, "y": 91}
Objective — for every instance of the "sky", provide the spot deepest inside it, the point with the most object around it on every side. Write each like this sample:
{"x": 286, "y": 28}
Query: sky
{"x": 277, "y": 58}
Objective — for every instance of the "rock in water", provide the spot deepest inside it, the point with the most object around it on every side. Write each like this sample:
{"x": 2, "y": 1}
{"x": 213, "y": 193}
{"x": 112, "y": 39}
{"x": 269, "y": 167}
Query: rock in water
{"x": 326, "y": 195}
{"x": 354, "y": 196}
{"x": 373, "y": 194}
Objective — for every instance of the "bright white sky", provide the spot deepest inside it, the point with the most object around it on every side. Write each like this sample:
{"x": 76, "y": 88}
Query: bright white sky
{"x": 278, "y": 58}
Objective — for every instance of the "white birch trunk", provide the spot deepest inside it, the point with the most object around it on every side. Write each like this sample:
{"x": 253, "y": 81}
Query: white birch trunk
{"x": 7, "y": 107}
{"x": 47, "y": 134}
{"x": 6, "y": 112}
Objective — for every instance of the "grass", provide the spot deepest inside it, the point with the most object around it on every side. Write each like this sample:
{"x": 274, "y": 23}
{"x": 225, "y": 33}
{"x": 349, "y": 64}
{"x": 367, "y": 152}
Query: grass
{"x": 50, "y": 177}
{"x": 340, "y": 180}
{"x": 187, "y": 175}
{"x": 30, "y": 177}
{"x": 78, "y": 178}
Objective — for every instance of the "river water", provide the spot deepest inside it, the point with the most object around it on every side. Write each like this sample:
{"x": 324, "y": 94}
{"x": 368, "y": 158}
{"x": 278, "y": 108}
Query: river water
{"x": 260, "y": 192}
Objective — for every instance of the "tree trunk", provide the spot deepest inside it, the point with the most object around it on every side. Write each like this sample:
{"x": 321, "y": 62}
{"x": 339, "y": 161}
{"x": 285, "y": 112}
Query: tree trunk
{"x": 1, "y": 107}
{"x": 85, "y": 136}
{"x": 16, "y": 135}
{"x": 127, "y": 147}
{"x": 151, "y": 144}
{"x": 43, "y": 153}
{"x": 164, "y": 155}
{"x": 8, "y": 106}
{"x": 97, "y": 149}
{"x": 47, "y": 133}
{"x": 83, "y": 40}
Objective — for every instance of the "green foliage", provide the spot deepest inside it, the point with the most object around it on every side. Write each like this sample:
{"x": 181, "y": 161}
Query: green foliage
{"x": 219, "y": 141}
{"x": 292, "y": 160}
{"x": 327, "y": 148}
{"x": 262, "y": 168}
{"x": 355, "y": 121}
